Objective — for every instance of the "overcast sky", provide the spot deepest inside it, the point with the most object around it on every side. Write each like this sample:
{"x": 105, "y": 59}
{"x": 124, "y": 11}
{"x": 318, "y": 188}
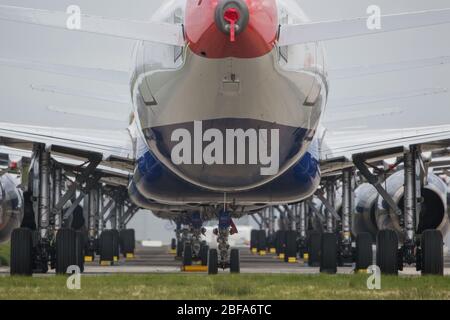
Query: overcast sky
{"x": 59, "y": 46}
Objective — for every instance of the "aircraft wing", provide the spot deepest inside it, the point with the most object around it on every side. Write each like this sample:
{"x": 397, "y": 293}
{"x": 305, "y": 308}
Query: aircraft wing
{"x": 384, "y": 125}
{"x": 344, "y": 144}
{"x": 165, "y": 33}
{"x": 48, "y": 104}
{"x": 109, "y": 143}
{"x": 291, "y": 34}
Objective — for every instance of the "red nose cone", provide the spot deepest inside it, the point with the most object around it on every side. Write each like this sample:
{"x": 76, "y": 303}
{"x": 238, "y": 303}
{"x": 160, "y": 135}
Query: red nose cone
{"x": 231, "y": 15}
{"x": 231, "y": 28}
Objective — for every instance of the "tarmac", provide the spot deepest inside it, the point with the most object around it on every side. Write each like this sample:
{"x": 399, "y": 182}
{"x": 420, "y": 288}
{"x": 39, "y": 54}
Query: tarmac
{"x": 160, "y": 260}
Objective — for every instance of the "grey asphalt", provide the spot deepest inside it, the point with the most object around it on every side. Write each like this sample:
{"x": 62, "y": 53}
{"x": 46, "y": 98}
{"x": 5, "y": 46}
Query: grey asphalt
{"x": 159, "y": 260}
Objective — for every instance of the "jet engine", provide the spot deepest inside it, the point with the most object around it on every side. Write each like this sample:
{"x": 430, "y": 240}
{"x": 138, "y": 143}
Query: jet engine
{"x": 11, "y": 206}
{"x": 364, "y": 217}
{"x": 372, "y": 212}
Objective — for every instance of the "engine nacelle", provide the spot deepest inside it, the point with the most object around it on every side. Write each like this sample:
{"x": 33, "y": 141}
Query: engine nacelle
{"x": 364, "y": 218}
{"x": 11, "y": 206}
{"x": 433, "y": 215}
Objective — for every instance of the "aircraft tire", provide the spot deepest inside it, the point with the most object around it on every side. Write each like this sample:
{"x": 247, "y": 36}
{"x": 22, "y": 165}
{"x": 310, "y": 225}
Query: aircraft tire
{"x": 106, "y": 246}
{"x": 235, "y": 261}
{"x": 187, "y": 255}
{"x": 387, "y": 252}
{"x": 127, "y": 241}
{"x": 21, "y": 252}
{"x": 66, "y": 250}
{"x": 432, "y": 252}
{"x": 173, "y": 244}
{"x": 314, "y": 247}
{"x": 204, "y": 254}
{"x": 291, "y": 245}
{"x": 364, "y": 254}
{"x": 213, "y": 262}
{"x": 254, "y": 239}
{"x": 328, "y": 255}
{"x": 262, "y": 241}
{"x": 80, "y": 245}
{"x": 116, "y": 244}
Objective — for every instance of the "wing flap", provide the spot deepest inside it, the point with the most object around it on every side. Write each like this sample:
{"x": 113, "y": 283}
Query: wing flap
{"x": 346, "y": 143}
{"x": 110, "y": 143}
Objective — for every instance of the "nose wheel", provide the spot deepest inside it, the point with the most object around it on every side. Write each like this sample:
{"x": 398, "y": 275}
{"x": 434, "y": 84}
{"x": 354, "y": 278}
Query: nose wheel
{"x": 223, "y": 257}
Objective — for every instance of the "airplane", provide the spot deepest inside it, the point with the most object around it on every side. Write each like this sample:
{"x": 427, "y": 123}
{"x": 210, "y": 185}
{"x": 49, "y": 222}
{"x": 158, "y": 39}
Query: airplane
{"x": 229, "y": 104}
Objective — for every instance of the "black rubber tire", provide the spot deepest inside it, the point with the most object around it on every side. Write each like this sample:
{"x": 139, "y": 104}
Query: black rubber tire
{"x": 213, "y": 261}
{"x": 364, "y": 253}
{"x": 279, "y": 244}
{"x": 432, "y": 252}
{"x": 173, "y": 244}
{"x": 180, "y": 246}
{"x": 328, "y": 253}
{"x": 387, "y": 252}
{"x": 66, "y": 250}
{"x": 35, "y": 238}
{"x": 204, "y": 254}
{"x": 127, "y": 241}
{"x": 81, "y": 242}
{"x": 106, "y": 245}
{"x": 290, "y": 250}
{"x": 254, "y": 239}
{"x": 21, "y": 252}
{"x": 235, "y": 261}
{"x": 314, "y": 247}
{"x": 262, "y": 240}
{"x": 116, "y": 244}
{"x": 187, "y": 255}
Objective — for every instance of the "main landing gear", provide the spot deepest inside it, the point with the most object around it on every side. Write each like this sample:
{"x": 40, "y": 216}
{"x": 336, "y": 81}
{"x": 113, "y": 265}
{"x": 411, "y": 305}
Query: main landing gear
{"x": 223, "y": 257}
{"x": 336, "y": 243}
{"x": 47, "y": 243}
{"x": 54, "y": 233}
{"x": 396, "y": 249}
{"x": 195, "y": 250}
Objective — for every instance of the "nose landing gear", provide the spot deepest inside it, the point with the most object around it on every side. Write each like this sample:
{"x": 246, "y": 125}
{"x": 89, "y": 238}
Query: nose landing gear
{"x": 223, "y": 257}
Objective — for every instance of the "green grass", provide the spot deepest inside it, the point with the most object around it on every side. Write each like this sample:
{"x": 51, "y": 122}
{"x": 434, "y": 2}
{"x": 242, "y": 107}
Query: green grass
{"x": 199, "y": 286}
{"x": 4, "y": 254}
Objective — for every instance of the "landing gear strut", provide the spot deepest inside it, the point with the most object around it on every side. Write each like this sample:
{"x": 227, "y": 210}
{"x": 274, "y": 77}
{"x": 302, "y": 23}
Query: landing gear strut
{"x": 52, "y": 245}
{"x": 223, "y": 257}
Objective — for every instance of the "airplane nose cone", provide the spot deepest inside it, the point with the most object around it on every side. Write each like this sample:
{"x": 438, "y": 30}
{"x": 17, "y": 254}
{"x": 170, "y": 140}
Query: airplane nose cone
{"x": 232, "y": 17}
{"x": 218, "y": 29}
